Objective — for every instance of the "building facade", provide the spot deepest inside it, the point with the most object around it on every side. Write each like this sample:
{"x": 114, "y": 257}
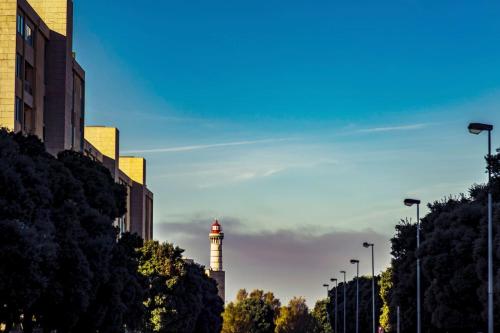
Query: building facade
{"x": 141, "y": 198}
{"x": 42, "y": 92}
{"x": 216, "y": 270}
{"x": 42, "y": 86}
{"x": 103, "y": 144}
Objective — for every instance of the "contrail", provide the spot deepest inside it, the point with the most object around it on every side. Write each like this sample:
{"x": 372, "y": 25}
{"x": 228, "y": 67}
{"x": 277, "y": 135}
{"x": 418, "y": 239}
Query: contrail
{"x": 201, "y": 147}
{"x": 393, "y": 128}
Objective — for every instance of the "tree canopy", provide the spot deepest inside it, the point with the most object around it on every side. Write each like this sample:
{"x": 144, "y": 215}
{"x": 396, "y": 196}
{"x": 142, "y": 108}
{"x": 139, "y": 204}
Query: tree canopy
{"x": 63, "y": 266}
{"x": 321, "y": 315}
{"x": 251, "y": 313}
{"x": 181, "y": 297}
{"x": 295, "y": 317}
{"x": 59, "y": 239}
{"x": 260, "y": 311}
{"x": 365, "y": 304}
{"x": 453, "y": 256}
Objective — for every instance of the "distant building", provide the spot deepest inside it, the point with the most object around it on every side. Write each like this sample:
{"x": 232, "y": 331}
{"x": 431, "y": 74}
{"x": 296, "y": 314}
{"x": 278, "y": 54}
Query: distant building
{"x": 103, "y": 144}
{"x": 216, "y": 270}
{"x": 141, "y": 198}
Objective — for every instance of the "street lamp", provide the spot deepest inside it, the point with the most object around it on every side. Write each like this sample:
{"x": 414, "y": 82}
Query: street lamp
{"x": 327, "y": 297}
{"x": 409, "y": 203}
{"x": 345, "y": 301}
{"x": 477, "y": 128}
{"x": 336, "y": 286}
{"x": 355, "y": 261}
{"x": 327, "y": 290}
{"x": 367, "y": 245}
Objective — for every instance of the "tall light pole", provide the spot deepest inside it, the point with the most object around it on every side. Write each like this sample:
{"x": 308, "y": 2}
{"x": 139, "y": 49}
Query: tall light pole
{"x": 409, "y": 203}
{"x": 367, "y": 245}
{"x": 345, "y": 300}
{"x": 336, "y": 313}
{"x": 327, "y": 297}
{"x": 327, "y": 286}
{"x": 477, "y": 128}
{"x": 355, "y": 261}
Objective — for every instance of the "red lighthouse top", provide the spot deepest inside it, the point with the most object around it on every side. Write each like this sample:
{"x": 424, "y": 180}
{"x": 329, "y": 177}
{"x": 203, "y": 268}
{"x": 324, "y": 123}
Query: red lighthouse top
{"x": 216, "y": 227}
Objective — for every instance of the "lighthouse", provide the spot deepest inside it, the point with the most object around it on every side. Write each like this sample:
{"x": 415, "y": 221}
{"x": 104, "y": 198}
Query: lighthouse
{"x": 216, "y": 271}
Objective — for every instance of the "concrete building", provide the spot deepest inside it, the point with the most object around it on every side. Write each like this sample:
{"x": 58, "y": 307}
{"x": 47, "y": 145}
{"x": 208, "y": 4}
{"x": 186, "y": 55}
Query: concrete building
{"x": 42, "y": 92}
{"x": 216, "y": 270}
{"x": 42, "y": 86}
{"x": 107, "y": 141}
{"x": 141, "y": 198}
{"x": 103, "y": 144}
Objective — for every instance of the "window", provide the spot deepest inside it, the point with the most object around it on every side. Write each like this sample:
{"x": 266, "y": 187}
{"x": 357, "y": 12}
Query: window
{"x": 28, "y": 120}
{"x": 20, "y": 24}
{"x": 19, "y": 109}
{"x": 29, "y": 78}
{"x": 19, "y": 66}
{"x": 28, "y": 33}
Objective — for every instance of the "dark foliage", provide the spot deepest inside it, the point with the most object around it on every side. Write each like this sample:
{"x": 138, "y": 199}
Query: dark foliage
{"x": 453, "y": 262}
{"x": 365, "y": 305}
{"x": 180, "y": 297}
{"x": 60, "y": 265}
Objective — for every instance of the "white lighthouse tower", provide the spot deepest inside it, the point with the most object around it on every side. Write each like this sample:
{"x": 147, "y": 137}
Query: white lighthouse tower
{"x": 216, "y": 271}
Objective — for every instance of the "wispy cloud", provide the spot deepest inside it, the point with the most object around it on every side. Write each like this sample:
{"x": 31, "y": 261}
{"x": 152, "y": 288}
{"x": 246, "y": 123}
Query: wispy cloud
{"x": 242, "y": 169}
{"x": 393, "y": 128}
{"x": 202, "y": 147}
{"x": 228, "y": 176}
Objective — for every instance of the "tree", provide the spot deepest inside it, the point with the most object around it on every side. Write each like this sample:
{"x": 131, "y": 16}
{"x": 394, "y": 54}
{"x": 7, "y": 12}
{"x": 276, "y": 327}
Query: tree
{"x": 119, "y": 301}
{"x": 181, "y": 298}
{"x": 62, "y": 266}
{"x": 103, "y": 201}
{"x": 101, "y": 192}
{"x": 254, "y": 313}
{"x": 450, "y": 256}
{"x": 385, "y": 287}
{"x": 321, "y": 316}
{"x": 404, "y": 276}
{"x": 58, "y": 249}
{"x": 85, "y": 238}
{"x": 365, "y": 304}
{"x": 295, "y": 317}
{"x": 453, "y": 256}
{"x": 27, "y": 246}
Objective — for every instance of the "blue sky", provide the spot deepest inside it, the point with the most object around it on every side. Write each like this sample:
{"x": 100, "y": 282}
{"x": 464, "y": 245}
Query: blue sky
{"x": 301, "y": 124}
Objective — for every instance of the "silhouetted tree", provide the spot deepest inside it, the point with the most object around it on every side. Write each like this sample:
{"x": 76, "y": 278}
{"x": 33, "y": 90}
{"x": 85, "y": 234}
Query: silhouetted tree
{"x": 365, "y": 304}
{"x": 61, "y": 265}
{"x": 181, "y": 298}
{"x": 454, "y": 263}
{"x": 57, "y": 240}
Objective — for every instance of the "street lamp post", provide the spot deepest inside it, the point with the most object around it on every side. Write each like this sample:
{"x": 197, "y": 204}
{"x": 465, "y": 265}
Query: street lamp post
{"x": 355, "y": 261}
{"x": 367, "y": 245}
{"x": 345, "y": 300}
{"x": 477, "y": 128}
{"x": 409, "y": 203}
{"x": 327, "y": 286}
{"x": 336, "y": 312}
